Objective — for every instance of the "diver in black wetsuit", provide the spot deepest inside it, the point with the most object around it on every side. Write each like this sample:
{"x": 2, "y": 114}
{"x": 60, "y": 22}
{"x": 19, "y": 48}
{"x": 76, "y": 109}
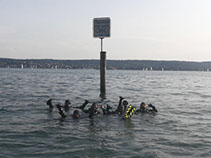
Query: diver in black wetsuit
{"x": 106, "y": 110}
{"x": 121, "y": 109}
{"x": 67, "y": 105}
{"x": 125, "y": 104}
{"x": 76, "y": 114}
{"x": 49, "y": 103}
{"x": 146, "y": 109}
{"x": 93, "y": 110}
{"x": 142, "y": 108}
{"x": 152, "y": 108}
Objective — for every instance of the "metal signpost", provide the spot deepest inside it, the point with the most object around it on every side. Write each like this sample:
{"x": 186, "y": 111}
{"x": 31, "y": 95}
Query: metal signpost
{"x": 101, "y": 29}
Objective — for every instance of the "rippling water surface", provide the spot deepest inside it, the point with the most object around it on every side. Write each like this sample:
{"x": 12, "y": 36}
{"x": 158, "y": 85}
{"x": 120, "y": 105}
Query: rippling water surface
{"x": 180, "y": 129}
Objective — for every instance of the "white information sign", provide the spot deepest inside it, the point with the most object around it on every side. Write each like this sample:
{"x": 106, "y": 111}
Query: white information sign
{"x": 101, "y": 27}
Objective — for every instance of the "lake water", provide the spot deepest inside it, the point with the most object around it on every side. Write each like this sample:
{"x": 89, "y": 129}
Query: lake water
{"x": 180, "y": 129}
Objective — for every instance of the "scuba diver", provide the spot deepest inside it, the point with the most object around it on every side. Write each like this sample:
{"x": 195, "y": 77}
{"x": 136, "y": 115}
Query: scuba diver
{"x": 75, "y": 115}
{"x": 106, "y": 110}
{"x": 119, "y": 109}
{"x": 49, "y": 103}
{"x": 123, "y": 109}
{"x": 67, "y": 104}
{"x": 91, "y": 111}
{"x": 152, "y": 108}
{"x": 146, "y": 109}
{"x": 128, "y": 111}
{"x": 125, "y": 104}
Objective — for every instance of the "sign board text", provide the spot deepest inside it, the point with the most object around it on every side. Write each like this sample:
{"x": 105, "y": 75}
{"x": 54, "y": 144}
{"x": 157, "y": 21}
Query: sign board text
{"x": 101, "y": 27}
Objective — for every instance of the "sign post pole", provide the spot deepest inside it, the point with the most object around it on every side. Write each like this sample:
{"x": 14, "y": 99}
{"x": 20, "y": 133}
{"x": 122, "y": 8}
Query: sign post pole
{"x": 101, "y": 44}
{"x": 101, "y": 29}
{"x": 102, "y": 74}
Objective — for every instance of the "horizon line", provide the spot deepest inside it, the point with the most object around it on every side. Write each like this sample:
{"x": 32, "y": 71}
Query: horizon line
{"x": 108, "y": 59}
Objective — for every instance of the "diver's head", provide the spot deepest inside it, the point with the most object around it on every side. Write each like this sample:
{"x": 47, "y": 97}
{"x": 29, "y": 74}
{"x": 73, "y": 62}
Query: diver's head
{"x": 86, "y": 102}
{"x": 143, "y": 106}
{"x": 49, "y": 103}
{"x": 94, "y": 106}
{"x": 76, "y": 114}
{"x": 125, "y": 103}
{"x": 102, "y": 107}
{"x": 67, "y": 102}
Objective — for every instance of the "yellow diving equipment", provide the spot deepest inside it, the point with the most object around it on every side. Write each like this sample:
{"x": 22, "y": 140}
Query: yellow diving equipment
{"x": 129, "y": 112}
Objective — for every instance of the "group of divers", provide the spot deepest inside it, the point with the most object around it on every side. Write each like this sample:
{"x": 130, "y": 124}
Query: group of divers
{"x": 125, "y": 110}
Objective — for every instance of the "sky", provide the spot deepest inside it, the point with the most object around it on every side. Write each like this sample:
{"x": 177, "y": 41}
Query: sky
{"x": 140, "y": 29}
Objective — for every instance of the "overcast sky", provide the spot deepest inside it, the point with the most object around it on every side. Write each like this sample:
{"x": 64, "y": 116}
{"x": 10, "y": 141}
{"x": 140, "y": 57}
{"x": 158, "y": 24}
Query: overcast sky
{"x": 140, "y": 29}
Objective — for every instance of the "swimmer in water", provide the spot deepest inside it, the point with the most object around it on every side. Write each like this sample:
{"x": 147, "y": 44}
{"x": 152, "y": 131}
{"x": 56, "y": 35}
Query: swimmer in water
{"x": 125, "y": 104}
{"x": 106, "y": 111}
{"x": 142, "y": 108}
{"x": 146, "y": 109}
{"x": 121, "y": 109}
{"x": 76, "y": 114}
{"x": 152, "y": 108}
{"x": 93, "y": 110}
{"x": 49, "y": 103}
{"x": 67, "y": 105}
{"x": 82, "y": 107}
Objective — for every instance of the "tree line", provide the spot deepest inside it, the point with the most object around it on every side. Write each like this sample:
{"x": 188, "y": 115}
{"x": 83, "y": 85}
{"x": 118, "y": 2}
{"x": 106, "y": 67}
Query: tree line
{"x": 110, "y": 64}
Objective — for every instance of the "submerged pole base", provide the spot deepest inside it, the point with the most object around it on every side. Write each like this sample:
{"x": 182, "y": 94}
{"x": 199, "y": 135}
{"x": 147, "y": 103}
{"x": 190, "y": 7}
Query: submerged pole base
{"x": 103, "y": 95}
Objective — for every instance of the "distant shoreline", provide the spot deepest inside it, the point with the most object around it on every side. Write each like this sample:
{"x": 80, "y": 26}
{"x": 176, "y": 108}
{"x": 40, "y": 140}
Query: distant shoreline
{"x": 145, "y": 65}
